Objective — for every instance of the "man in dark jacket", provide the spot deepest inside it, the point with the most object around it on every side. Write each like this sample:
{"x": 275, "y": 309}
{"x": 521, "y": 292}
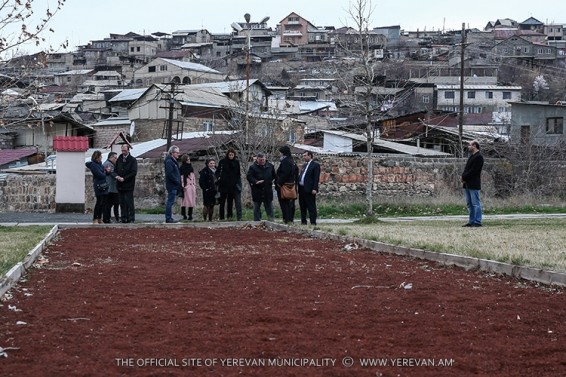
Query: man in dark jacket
{"x": 261, "y": 175}
{"x": 229, "y": 185}
{"x": 172, "y": 182}
{"x": 126, "y": 171}
{"x": 287, "y": 172}
{"x": 471, "y": 180}
{"x": 308, "y": 188}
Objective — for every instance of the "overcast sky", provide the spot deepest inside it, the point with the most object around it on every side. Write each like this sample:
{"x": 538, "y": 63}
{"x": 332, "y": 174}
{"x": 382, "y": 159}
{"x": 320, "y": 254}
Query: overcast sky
{"x": 80, "y": 21}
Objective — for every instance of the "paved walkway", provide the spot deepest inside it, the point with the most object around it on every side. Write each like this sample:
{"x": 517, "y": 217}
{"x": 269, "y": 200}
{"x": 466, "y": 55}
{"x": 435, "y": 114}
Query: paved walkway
{"x": 14, "y": 218}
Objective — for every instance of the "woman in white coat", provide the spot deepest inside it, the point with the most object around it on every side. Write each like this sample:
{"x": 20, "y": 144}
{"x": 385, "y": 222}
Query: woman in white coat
{"x": 188, "y": 182}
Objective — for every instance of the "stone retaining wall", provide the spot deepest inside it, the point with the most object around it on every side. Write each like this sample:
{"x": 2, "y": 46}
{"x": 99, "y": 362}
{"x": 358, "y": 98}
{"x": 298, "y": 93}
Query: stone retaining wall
{"x": 341, "y": 177}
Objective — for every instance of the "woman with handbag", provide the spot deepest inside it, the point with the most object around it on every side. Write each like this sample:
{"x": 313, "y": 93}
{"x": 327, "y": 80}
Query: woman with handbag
{"x": 286, "y": 184}
{"x": 207, "y": 182}
{"x": 188, "y": 182}
{"x": 99, "y": 185}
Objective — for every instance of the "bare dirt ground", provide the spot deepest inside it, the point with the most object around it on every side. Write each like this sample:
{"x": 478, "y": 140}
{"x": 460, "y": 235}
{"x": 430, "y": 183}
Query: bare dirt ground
{"x": 226, "y": 302}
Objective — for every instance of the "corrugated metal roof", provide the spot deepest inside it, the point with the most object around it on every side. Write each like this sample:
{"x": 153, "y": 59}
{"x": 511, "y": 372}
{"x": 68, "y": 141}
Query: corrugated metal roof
{"x": 70, "y": 143}
{"x": 210, "y": 97}
{"x": 128, "y": 95}
{"x": 75, "y": 72}
{"x": 190, "y": 66}
{"x": 397, "y": 147}
{"x": 112, "y": 122}
{"x": 235, "y": 86}
{"x": 11, "y": 155}
{"x": 478, "y": 87}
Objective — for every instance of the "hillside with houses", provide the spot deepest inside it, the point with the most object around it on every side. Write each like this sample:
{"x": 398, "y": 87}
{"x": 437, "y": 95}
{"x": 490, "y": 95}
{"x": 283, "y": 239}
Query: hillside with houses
{"x": 296, "y": 83}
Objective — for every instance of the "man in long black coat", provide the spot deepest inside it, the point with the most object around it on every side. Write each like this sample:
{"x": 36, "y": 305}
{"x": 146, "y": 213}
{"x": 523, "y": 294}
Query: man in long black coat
{"x": 308, "y": 188}
{"x": 126, "y": 171}
{"x": 261, "y": 175}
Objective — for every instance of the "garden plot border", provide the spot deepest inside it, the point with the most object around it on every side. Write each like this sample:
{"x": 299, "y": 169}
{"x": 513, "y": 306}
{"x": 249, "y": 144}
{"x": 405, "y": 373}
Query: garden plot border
{"x": 15, "y": 273}
{"x": 468, "y": 263}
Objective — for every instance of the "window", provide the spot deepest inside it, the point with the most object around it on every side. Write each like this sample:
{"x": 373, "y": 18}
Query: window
{"x": 554, "y": 126}
{"x": 163, "y": 67}
{"x": 138, "y": 49}
{"x": 208, "y": 126}
{"x": 489, "y": 95}
{"x": 151, "y": 68}
{"x": 292, "y": 139}
{"x": 506, "y": 95}
{"x": 471, "y": 94}
{"x": 131, "y": 49}
{"x": 449, "y": 95}
{"x": 426, "y": 99}
{"x": 540, "y": 50}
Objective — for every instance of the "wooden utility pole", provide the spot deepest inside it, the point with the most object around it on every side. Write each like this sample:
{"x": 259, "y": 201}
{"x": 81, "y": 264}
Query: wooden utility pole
{"x": 459, "y": 151}
{"x": 170, "y": 119}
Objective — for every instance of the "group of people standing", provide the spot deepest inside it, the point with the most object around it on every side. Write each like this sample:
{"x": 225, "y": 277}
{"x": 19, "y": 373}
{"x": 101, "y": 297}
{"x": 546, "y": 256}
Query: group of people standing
{"x": 221, "y": 185}
{"x": 114, "y": 182}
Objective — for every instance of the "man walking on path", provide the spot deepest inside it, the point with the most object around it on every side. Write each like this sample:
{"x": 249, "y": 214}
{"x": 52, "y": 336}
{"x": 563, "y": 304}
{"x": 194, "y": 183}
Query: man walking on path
{"x": 172, "y": 182}
{"x": 308, "y": 188}
{"x": 471, "y": 180}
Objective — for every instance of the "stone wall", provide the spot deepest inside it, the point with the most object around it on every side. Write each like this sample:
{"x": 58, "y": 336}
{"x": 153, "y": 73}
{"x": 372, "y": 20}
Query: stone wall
{"x": 341, "y": 177}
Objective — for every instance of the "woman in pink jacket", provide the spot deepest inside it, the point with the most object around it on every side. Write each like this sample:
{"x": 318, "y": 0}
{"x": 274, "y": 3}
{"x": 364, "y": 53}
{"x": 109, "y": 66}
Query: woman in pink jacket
{"x": 188, "y": 182}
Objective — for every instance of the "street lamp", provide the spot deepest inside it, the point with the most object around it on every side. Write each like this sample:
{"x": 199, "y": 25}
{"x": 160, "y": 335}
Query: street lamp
{"x": 248, "y": 17}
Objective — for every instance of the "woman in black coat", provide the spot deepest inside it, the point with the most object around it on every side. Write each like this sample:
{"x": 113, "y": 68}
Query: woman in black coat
{"x": 287, "y": 172}
{"x": 207, "y": 182}
{"x": 99, "y": 185}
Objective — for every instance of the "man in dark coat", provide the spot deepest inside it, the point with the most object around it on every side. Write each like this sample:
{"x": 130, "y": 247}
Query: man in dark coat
{"x": 126, "y": 171}
{"x": 308, "y": 188}
{"x": 261, "y": 175}
{"x": 172, "y": 182}
{"x": 287, "y": 172}
{"x": 471, "y": 180}
{"x": 229, "y": 185}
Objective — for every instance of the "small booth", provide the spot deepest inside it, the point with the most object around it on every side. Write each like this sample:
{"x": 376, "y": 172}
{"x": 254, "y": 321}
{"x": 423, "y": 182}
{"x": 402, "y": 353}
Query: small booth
{"x": 70, "y": 180}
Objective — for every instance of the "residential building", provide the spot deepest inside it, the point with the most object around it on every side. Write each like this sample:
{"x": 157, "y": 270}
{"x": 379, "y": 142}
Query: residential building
{"x": 537, "y": 123}
{"x": 478, "y": 99}
{"x": 294, "y": 30}
{"x": 162, "y": 70}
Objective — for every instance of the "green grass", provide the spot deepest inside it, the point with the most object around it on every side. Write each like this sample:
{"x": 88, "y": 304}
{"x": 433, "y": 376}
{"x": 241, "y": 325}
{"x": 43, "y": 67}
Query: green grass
{"x": 537, "y": 243}
{"x": 16, "y": 242}
{"x": 444, "y": 205}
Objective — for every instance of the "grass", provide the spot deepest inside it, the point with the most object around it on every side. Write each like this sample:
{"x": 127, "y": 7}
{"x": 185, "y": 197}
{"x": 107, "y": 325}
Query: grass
{"x": 537, "y": 243}
{"x": 16, "y": 242}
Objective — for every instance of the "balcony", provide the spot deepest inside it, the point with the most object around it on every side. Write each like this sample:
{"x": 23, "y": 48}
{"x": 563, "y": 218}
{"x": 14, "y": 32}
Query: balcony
{"x": 292, "y": 33}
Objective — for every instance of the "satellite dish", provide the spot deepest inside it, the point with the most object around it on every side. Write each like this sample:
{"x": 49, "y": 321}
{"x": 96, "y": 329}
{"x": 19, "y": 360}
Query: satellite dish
{"x": 132, "y": 128}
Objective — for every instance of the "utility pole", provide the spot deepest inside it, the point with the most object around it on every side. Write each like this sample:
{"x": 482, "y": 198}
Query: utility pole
{"x": 247, "y": 17}
{"x": 461, "y": 112}
{"x": 170, "y": 119}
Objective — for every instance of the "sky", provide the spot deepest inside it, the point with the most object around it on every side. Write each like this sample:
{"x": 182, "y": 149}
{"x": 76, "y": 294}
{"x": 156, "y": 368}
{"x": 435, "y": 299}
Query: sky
{"x": 80, "y": 21}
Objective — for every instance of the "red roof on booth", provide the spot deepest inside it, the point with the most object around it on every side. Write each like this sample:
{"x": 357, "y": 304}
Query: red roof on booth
{"x": 70, "y": 143}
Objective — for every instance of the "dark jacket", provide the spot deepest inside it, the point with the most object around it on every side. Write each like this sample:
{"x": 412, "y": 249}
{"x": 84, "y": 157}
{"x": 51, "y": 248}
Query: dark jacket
{"x": 264, "y": 173}
{"x": 471, "y": 177}
{"x": 312, "y": 177}
{"x": 287, "y": 172}
{"x": 98, "y": 176}
{"x": 207, "y": 182}
{"x": 228, "y": 173}
{"x": 111, "y": 177}
{"x": 172, "y": 174}
{"x": 128, "y": 169}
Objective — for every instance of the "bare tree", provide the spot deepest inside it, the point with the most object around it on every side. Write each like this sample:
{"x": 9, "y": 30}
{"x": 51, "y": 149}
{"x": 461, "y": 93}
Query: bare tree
{"x": 360, "y": 12}
{"x": 19, "y": 24}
